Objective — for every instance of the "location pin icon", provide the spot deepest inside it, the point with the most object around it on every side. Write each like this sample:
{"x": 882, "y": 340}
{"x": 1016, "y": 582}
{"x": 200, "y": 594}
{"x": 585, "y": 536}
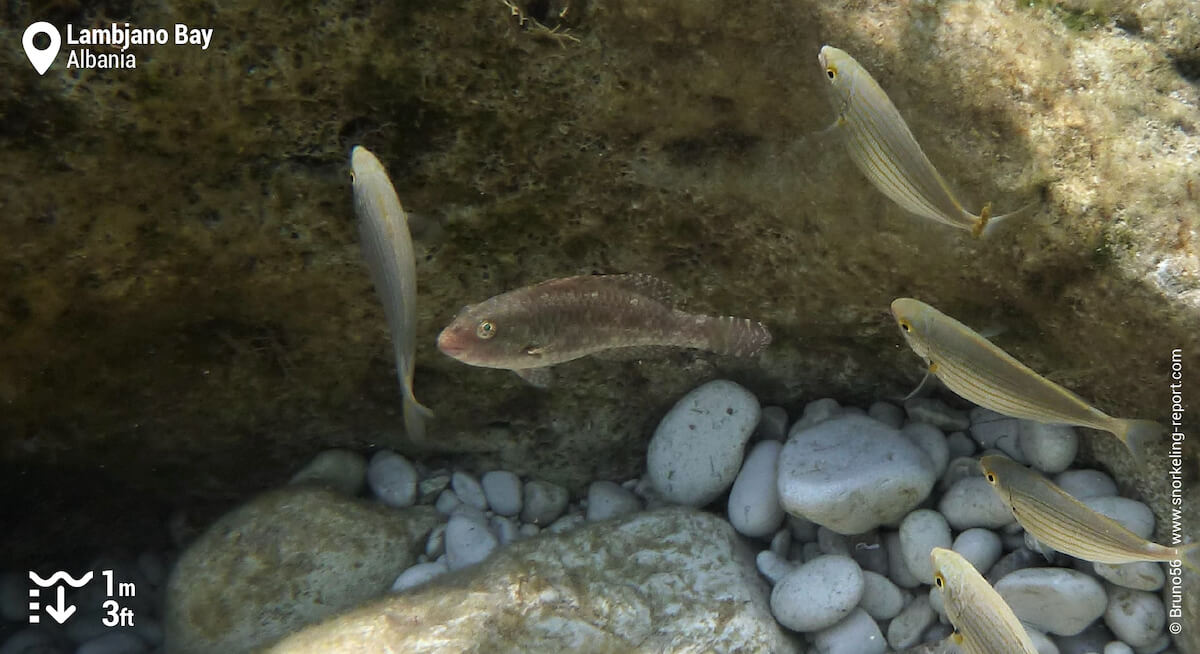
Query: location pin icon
{"x": 41, "y": 59}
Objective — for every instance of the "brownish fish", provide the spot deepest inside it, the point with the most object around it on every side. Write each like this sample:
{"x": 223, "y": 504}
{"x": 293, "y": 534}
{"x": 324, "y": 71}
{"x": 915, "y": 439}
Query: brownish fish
{"x": 532, "y": 328}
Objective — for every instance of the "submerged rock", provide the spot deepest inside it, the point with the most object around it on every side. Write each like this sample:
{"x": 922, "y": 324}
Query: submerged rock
{"x": 673, "y": 580}
{"x": 286, "y": 559}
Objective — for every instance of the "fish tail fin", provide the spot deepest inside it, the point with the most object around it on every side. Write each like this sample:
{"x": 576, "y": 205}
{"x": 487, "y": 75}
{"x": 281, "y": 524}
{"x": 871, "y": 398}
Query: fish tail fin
{"x": 987, "y": 224}
{"x": 740, "y": 337}
{"x": 1139, "y": 436}
{"x": 415, "y": 415}
{"x": 1189, "y": 555}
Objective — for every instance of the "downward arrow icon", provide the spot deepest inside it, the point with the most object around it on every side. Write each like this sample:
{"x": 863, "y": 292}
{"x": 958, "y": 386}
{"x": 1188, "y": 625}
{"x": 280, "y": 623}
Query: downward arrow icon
{"x": 61, "y": 612}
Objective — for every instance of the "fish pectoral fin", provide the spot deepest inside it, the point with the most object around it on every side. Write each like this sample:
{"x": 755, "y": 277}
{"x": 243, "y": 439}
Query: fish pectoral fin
{"x": 925, "y": 385}
{"x": 537, "y": 377}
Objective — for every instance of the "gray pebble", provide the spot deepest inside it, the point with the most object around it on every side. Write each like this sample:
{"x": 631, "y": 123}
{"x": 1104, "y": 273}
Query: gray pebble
{"x": 753, "y": 506}
{"x": 418, "y": 575}
{"x": 1018, "y": 559}
{"x": 881, "y": 598}
{"x": 119, "y": 642}
{"x": 468, "y": 541}
{"x": 1055, "y": 600}
{"x": 469, "y": 490}
{"x": 781, "y": 542}
{"x": 906, "y": 628}
{"x": 979, "y": 546}
{"x": 435, "y": 545}
{"x": 931, "y": 441}
{"x": 609, "y": 500}
{"x": 429, "y": 488}
{"x": 529, "y": 530}
{"x": 1082, "y": 484}
{"x": 341, "y": 470}
{"x": 566, "y": 523}
{"x": 817, "y": 594}
{"x": 987, "y": 432}
{"x": 816, "y": 412}
{"x": 810, "y": 551}
{"x": 887, "y": 413}
{"x": 959, "y": 445}
{"x": 468, "y": 511}
{"x": 832, "y": 542}
{"x": 505, "y": 529}
{"x": 1132, "y": 514}
{"x": 1041, "y": 642}
{"x": 957, "y": 470}
{"x": 1117, "y": 647}
{"x": 936, "y": 633}
{"x": 857, "y": 633}
{"x": 1136, "y": 617}
{"x": 447, "y": 502}
{"x": 772, "y": 424}
{"x": 936, "y": 413}
{"x": 503, "y": 491}
{"x": 803, "y": 531}
{"x": 869, "y": 552}
{"x": 971, "y": 502}
{"x": 1142, "y": 575}
{"x": 392, "y": 479}
{"x": 898, "y": 570}
{"x": 920, "y": 532}
{"x": 1088, "y": 641}
{"x": 937, "y": 603}
{"x": 544, "y": 502}
{"x": 772, "y": 566}
{"x": 1049, "y": 448}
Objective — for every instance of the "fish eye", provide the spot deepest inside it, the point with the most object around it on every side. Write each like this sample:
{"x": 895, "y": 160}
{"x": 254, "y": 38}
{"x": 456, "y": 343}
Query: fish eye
{"x": 991, "y": 478}
{"x": 831, "y": 73}
{"x": 904, "y": 324}
{"x": 939, "y": 580}
{"x": 485, "y": 329}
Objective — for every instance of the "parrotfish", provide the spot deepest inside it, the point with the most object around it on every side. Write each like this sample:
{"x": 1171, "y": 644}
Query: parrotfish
{"x": 388, "y": 250}
{"x": 983, "y": 621}
{"x": 1070, "y": 526}
{"x": 532, "y": 328}
{"x": 971, "y": 366}
{"x": 884, "y": 149}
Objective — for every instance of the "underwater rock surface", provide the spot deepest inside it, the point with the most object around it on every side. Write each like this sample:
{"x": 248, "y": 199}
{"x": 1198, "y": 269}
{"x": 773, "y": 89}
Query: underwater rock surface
{"x": 672, "y": 580}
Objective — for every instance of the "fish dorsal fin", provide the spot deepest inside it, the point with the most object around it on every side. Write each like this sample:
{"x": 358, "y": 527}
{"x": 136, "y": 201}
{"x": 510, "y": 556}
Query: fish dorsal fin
{"x": 645, "y": 284}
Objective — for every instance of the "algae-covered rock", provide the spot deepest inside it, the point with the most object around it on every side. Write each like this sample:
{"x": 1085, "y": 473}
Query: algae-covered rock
{"x": 668, "y": 581}
{"x": 286, "y": 559}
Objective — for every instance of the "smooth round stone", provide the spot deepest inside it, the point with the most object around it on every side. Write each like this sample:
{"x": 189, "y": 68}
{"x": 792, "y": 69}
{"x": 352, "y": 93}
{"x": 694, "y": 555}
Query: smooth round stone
{"x": 1041, "y": 642}
{"x": 869, "y": 552}
{"x": 772, "y": 424}
{"x": 447, "y": 502}
{"x": 772, "y": 566}
{"x": 1055, "y": 600}
{"x": 920, "y": 532}
{"x": 931, "y": 441}
{"x": 392, "y": 479}
{"x": 610, "y": 500}
{"x": 937, "y": 603}
{"x": 881, "y": 598}
{"x": 803, "y": 531}
{"x": 1049, "y": 448}
{"x": 1018, "y": 559}
{"x": 857, "y": 633}
{"x": 341, "y": 470}
{"x": 1136, "y": 617}
{"x": 697, "y": 449}
{"x": 898, "y": 570}
{"x": 435, "y": 545}
{"x": 1117, "y": 647}
{"x": 566, "y": 523}
{"x": 505, "y": 529}
{"x": 810, "y": 551}
{"x": 418, "y": 575}
{"x": 118, "y": 642}
{"x": 544, "y": 502}
{"x": 1132, "y": 514}
{"x": 430, "y": 488}
{"x": 781, "y": 542}
{"x": 979, "y": 546}
{"x": 971, "y": 502}
{"x": 816, "y": 412}
{"x": 1088, "y": 641}
{"x": 852, "y": 474}
{"x": 832, "y": 542}
{"x": 936, "y": 413}
{"x": 817, "y": 594}
{"x": 959, "y": 445}
{"x": 906, "y": 628}
{"x": 469, "y": 511}
{"x": 469, "y": 490}
{"x": 1082, "y": 484}
{"x": 468, "y": 541}
{"x": 957, "y": 470}
{"x": 887, "y": 413}
{"x": 1142, "y": 575}
{"x": 503, "y": 491}
{"x": 992, "y": 428}
{"x": 754, "y": 509}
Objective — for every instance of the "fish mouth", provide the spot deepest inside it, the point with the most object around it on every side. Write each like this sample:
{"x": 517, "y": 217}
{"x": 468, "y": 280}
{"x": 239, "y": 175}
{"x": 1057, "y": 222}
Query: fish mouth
{"x": 449, "y": 345}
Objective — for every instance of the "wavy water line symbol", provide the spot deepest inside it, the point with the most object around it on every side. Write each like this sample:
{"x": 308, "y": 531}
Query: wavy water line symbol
{"x": 60, "y": 576}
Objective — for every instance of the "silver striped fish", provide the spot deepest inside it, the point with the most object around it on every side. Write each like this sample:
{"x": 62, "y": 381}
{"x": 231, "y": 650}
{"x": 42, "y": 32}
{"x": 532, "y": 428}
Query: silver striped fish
{"x": 984, "y": 622}
{"x": 1070, "y": 526}
{"x": 884, "y": 149}
{"x": 981, "y": 372}
{"x": 388, "y": 250}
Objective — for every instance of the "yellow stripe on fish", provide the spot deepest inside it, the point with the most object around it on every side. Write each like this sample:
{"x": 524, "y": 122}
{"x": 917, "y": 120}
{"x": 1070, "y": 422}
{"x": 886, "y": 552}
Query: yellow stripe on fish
{"x": 885, "y": 150}
{"x": 984, "y": 622}
{"x": 1070, "y": 526}
{"x": 971, "y": 366}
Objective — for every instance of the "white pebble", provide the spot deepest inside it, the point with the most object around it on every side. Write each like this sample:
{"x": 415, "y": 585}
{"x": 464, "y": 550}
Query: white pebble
{"x": 1056, "y": 600}
{"x": 1117, "y": 647}
{"x": 971, "y": 502}
{"x": 503, "y": 491}
{"x": 392, "y": 479}
{"x": 609, "y": 500}
{"x": 754, "y": 509}
{"x": 341, "y": 470}
{"x": 958, "y": 470}
{"x": 447, "y": 502}
{"x": 936, "y": 413}
{"x": 772, "y": 424}
{"x": 435, "y": 545}
{"x": 1041, "y": 642}
{"x": 992, "y": 428}
{"x": 469, "y": 511}
{"x": 781, "y": 542}
{"x": 505, "y": 529}
{"x": 898, "y": 570}
{"x": 920, "y": 532}
{"x": 418, "y": 575}
{"x": 881, "y": 599}
{"x": 1082, "y": 484}
{"x": 979, "y": 546}
{"x": 817, "y": 594}
{"x": 1049, "y": 448}
{"x": 469, "y": 490}
{"x": 468, "y": 542}
{"x": 816, "y": 412}
{"x": 959, "y": 445}
{"x": 697, "y": 448}
{"x": 932, "y": 441}
{"x": 1142, "y": 575}
{"x": 772, "y": 566}
{"x": 544, "y": 502}
{"x": 887, "y": 413}
{"x": 1135, "y": 616}
{"x": 906, "y": 628}
{"x": 857, "y": 633}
